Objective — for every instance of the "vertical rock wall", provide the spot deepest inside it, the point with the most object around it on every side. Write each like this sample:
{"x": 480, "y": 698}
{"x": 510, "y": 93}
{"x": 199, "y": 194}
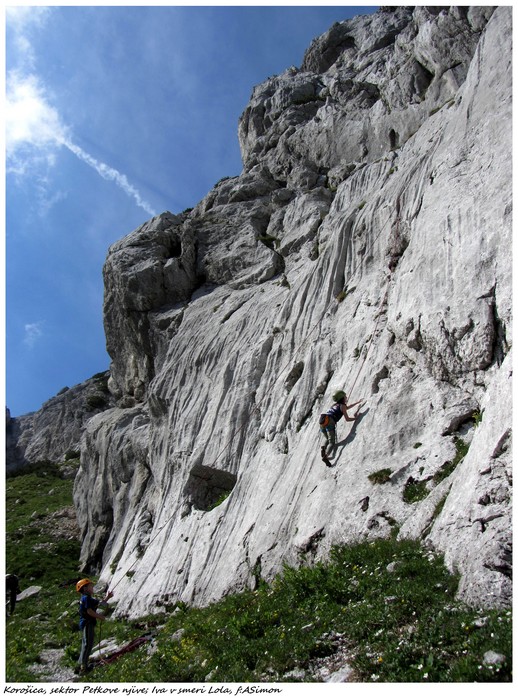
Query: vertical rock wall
{"x": 365, "y": 246}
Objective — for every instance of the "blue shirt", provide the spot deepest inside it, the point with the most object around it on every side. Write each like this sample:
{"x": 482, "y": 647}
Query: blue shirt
{"x": 335, "y": 412}
{"x": 85, "y": 603}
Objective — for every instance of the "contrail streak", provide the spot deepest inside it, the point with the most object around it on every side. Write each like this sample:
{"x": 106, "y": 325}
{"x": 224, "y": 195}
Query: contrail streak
{"x": 109, "y": 173}
{"x": 32, "y": 122}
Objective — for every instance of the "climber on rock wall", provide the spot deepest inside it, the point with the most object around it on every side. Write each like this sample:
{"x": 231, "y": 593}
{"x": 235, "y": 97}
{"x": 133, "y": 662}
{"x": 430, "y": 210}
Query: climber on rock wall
{"x": 330, "y": 418}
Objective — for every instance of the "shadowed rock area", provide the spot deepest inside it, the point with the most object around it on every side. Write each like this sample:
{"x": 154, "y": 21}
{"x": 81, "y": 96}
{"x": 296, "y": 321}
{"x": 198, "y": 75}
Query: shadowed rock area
{"x": 365, "y": 246}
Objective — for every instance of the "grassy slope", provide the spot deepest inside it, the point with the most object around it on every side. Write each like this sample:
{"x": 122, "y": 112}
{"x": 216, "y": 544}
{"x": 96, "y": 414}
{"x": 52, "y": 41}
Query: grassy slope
{"x": 400, "y": 625}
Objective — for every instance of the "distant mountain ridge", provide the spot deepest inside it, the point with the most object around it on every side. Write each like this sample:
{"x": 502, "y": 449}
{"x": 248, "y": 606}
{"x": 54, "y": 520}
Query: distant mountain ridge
{"x": 57, "y": 428}
{"x": 365, "y": 246}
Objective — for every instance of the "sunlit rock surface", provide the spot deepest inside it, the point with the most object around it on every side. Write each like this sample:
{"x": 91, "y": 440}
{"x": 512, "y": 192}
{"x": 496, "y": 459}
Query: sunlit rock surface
{"x": 365, "y": 246}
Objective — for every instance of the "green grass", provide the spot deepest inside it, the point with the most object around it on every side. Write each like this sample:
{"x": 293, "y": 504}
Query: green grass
{"x": 461, "y": 450}
{"x": 31, "y": 552}
{"x": 476, "y": 417}
{"x": 400, "y": 624}
{"x": 382, "y": 476}
{"x": 221, "y": 499}
{"x": 415, "y": 491}
{"x": 38, "y": 559}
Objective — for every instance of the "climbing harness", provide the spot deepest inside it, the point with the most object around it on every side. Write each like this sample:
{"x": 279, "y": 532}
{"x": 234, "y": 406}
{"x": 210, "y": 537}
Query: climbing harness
{"x": 324, "y": 420}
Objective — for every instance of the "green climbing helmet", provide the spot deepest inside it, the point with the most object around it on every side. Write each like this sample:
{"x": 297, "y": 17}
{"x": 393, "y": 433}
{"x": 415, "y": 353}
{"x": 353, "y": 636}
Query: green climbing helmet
{"x": 338, "y": 395}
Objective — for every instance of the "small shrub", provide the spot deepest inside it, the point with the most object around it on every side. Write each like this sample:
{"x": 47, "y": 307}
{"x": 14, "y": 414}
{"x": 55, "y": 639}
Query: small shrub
{"x": 476, "y": 417}
{"x": 380, "y": 477}
{"x": 223, "y": 179}
{"x": 223, "y": 497}
{"x": 227, "y": 316}
{"x": 269, "y": 241}
{"x": 448, "y": 467}
{"x": 440, "y": 505}
{"x": 418, "y": 445}
{"x": 96, "y": 401}
{"x": 43, "y": 468}
{"x": 341, "y": 296}
{"x": 102, "y": 384}
{"x": 415, "y": 491}
{"x": 437, "y": 511}
{"x": 114, "y": 564}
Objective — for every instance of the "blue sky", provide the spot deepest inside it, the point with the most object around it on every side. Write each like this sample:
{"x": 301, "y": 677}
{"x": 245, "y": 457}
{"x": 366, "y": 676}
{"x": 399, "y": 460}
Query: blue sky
{"x": 114, "y": 114}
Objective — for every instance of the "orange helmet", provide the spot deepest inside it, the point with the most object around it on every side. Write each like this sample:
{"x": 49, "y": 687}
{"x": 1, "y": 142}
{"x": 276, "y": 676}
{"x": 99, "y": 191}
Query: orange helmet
{"x": 81, "y": 583}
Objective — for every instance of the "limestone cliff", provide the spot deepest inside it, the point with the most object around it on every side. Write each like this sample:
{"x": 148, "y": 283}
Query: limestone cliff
{"x": 365, "y": 246}
{"x": 57, "y": 428}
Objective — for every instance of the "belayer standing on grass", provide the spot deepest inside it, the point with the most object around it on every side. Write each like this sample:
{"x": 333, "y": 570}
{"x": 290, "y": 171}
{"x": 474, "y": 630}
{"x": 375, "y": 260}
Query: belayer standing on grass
{"x": 88, "y": 617}
{"x": 330, "y": 418}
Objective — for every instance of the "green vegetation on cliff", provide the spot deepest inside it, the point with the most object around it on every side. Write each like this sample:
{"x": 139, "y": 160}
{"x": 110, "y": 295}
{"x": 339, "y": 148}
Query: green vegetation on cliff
{"x": 387, "y": 608}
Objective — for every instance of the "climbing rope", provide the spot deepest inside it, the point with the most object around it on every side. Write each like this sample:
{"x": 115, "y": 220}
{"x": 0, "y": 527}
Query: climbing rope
{"x": 100, "y": 636}
{"x": 130, "y": 646}
{"x": 350, "y": 391}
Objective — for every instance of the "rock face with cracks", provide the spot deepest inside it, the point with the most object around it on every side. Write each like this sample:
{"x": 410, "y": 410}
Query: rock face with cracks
{"x": 54, "y": 432}
{"x": 365, "y": 246}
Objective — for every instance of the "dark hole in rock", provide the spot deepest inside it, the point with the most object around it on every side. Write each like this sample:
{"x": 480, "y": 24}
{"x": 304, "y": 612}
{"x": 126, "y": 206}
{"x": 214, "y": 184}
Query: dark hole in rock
{"x": 175, "y": 248}
{"x": 394, "y": 139}
{"x": 207, "y": 487}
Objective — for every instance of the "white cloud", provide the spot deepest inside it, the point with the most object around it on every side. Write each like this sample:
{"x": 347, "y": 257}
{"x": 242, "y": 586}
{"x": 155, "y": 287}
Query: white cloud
{"x": 21, "y": 20}
{"x": 34, "y": 131}
{"x": 29, "y": 120}
{"x": 33, "y": 332}
{"x": 19, "y": 17}
{"x": 47, "y": 197}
